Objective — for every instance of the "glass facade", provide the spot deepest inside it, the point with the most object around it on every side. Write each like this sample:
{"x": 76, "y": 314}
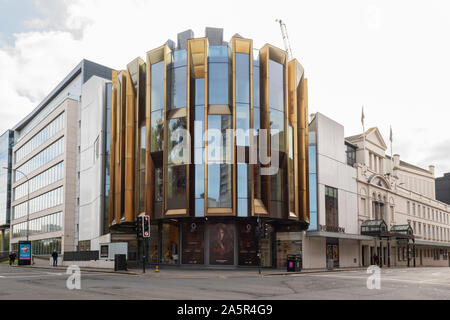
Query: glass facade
{"x": 218, "y": 75}
{"x": 206, "y": 196}
{"x": 42, "y": 247}
{"x": 44, "y": 201}
{"x": 6, "y": 142}
{"x": 42, "y": 158}
{"x": 46, "y": 224}
{"x": 179, "y": 80}
{"x": 107, "y": 157}
{"x": 40, "y": 138}
{"x": 312, "y": 182}
{"x": 40, "y": 181}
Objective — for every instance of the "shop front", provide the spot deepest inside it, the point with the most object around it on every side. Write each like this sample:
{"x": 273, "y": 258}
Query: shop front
{"x": 219, "y": 242}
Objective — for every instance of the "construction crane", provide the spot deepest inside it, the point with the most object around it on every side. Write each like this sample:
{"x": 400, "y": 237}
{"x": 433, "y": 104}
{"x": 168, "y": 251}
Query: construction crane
{"x": 287, "y": 45}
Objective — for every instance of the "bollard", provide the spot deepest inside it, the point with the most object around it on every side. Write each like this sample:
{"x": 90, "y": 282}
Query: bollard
{"x": 157, "y": 269}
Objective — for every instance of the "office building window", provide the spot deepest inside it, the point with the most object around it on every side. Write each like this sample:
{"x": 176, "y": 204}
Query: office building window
{"x": 331, "y": 209}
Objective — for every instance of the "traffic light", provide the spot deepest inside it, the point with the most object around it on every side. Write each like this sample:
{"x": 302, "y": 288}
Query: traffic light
{"x": 138, "y": 226}
{"x": 265, "y": 230}
{"x": 146, "y": 226}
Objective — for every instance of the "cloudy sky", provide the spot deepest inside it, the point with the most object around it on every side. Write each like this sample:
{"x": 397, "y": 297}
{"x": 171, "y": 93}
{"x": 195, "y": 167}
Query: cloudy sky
{"x": 393, "y": 57}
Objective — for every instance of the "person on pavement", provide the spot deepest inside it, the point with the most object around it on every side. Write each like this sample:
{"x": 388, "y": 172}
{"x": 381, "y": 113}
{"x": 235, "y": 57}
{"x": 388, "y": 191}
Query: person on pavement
{"x": 55, "y": 258}
{"x": 12, "y": 258}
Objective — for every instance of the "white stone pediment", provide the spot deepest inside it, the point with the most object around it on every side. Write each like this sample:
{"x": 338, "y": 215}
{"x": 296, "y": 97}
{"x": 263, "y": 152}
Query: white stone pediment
{"x": 374, "y": 136}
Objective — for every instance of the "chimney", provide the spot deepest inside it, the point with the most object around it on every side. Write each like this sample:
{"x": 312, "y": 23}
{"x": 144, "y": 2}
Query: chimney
{"x": 431, "y": 169}
{"x": 396, "y": 160}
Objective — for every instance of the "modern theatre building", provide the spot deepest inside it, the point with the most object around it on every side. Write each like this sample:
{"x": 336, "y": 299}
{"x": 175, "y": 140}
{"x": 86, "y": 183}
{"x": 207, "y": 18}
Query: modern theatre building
{"x": 207, "y": 136}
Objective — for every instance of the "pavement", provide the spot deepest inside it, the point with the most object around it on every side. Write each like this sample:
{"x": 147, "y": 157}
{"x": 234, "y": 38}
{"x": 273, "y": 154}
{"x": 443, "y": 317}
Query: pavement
{"x": 175, "y": 272}
{"x": 170, "y": 283}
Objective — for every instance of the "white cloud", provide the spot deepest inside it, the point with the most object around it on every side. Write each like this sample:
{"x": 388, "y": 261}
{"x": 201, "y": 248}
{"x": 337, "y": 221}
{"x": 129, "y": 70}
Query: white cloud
{"x": 391, "y": 57}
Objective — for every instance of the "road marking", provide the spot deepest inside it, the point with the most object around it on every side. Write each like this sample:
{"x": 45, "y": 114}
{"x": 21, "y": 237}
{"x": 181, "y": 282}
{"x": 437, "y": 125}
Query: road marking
{"x": 387, "y": 279}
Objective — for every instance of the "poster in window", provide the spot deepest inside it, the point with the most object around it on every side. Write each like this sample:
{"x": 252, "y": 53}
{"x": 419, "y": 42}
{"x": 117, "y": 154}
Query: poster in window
{"x": 221, "y": 244}
{"x": 248, "y": 245}
{"x": 193, "y": 244}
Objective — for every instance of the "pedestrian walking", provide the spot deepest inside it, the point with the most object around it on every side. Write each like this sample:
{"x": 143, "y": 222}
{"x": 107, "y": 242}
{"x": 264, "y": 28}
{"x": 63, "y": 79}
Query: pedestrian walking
{"x": 12, "y": 258}
{"x": 55, "y": 258}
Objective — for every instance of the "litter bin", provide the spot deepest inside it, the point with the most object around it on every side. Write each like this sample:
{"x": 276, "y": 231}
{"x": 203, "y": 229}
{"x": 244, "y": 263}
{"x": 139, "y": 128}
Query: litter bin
{"x": 120, "y": 262}
{"x": 294, "y": 262}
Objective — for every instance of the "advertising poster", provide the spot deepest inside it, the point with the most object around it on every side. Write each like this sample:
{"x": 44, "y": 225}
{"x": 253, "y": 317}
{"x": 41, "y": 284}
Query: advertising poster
{"x": 104, "y": 251}
{"x": 193, "y": 243}
{"x": 24, "y": 251}
{"x": 248, "y": 245}
{"x": 221, "y": 244}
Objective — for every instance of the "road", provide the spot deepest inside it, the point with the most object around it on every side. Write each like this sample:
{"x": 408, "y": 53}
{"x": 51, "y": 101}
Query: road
{"x": 32, "y": 283}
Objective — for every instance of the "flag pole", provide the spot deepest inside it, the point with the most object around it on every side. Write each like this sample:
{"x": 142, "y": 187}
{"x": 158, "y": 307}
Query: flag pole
{"x": 364, "y": 136}
{"x": 392, "y": 156}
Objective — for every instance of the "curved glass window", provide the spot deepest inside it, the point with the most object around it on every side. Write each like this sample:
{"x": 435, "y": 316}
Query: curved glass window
{"x": 218, "y": 83}
{"x": 276, "y": 86}
{"x": 158, "y": 192}
{"x": 156, "y": 131}
{"x": 218, "y": 54}
{"x": 180, "y": 58}
{"x": 291, "y": 170}
{"x": 219, "y": 140}
{"x": 219, "y": 185}
{"x": 219, "y": 156}
{"x": 277, "y": 186}
{"x": 242, "y": 78}
{"x": 177, "y": 145}
{"x": 243, "y": 189}
{"x": 176, "y": 187}
{"x": 277, "y": 127}
{"x": 242, "y": 124}
{"x": 157, "y": 86}
{"x": 179, "y": 87}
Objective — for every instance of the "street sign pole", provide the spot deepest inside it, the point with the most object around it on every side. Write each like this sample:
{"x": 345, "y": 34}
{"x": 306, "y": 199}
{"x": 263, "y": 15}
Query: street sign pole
{"x": 143, "y": 254}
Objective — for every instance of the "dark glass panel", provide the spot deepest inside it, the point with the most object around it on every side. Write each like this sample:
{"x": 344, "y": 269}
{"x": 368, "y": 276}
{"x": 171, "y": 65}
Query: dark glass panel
{"x": 169, "y": 244}
{"x": 176, "y": 187}
{"x": 248, "y": 245}
{"x": 277, "y": 187}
